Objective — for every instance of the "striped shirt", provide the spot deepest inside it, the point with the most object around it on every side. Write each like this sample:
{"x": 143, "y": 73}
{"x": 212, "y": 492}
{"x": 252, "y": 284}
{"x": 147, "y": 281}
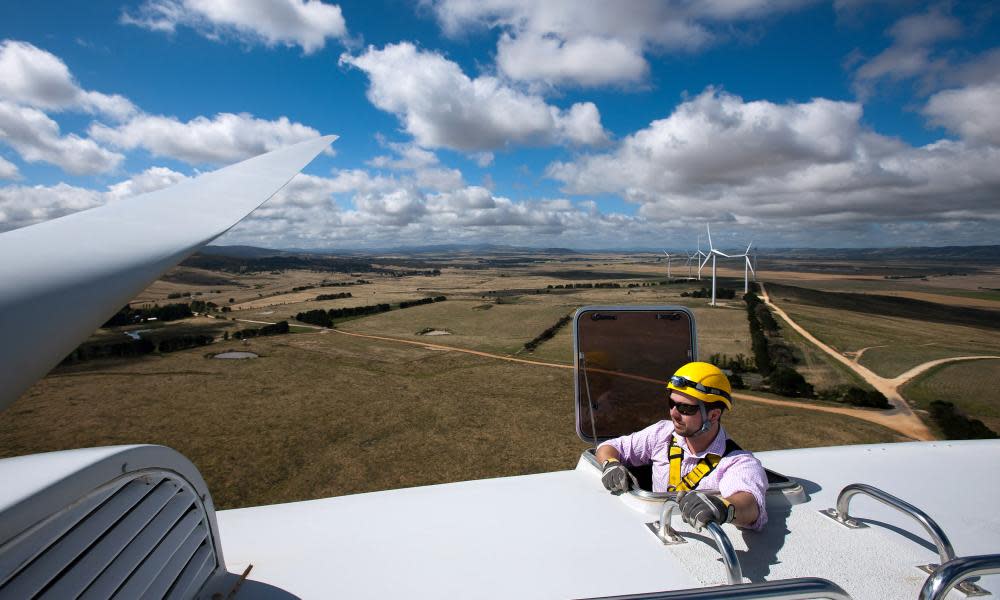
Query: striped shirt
{"x": 739, "y": 471}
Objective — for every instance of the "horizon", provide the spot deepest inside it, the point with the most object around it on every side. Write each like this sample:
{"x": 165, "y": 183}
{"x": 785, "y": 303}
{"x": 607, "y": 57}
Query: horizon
{"x": 802, "y": 124}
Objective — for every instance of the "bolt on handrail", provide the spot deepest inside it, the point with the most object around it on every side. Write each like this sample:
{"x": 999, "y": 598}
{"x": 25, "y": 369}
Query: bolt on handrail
{"x": 955, "y": 571}
{"x": 802, "y": 588}
{"x": 666, "y": 534}
{"x": 944, "y": 548}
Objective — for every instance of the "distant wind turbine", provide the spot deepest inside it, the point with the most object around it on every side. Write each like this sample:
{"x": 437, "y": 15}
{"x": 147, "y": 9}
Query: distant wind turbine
{"x": 712, "y": 253}
{"x": 747, "y": 268}
{"x": 668, "y": 266}
{"x": 701, "y": 255}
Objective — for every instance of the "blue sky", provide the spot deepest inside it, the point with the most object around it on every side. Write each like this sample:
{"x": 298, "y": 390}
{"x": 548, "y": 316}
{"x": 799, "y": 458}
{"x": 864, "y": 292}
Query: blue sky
{"x": 571, "y": 123}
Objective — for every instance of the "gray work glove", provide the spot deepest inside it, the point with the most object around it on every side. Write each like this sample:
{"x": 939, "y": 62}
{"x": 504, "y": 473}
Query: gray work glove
{"x": 616, "y": 478}
{"x": 699, "y": 509}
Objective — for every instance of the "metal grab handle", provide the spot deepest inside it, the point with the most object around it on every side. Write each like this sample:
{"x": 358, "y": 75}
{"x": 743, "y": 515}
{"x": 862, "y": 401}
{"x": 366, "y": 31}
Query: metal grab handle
{"x": 950, "y": 573}
{"x": 945, "y": 551}
{"x": 802, "y": 588}
{"x": 668, "y": 536}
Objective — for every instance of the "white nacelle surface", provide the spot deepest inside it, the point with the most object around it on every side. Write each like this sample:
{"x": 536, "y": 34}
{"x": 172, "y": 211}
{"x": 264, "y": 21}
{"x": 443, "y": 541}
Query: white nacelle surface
{"x": 560, "y": 535}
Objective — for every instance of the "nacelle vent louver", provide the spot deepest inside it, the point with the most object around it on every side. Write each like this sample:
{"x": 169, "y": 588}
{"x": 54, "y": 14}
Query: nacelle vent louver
{"x": 146, "y": 534}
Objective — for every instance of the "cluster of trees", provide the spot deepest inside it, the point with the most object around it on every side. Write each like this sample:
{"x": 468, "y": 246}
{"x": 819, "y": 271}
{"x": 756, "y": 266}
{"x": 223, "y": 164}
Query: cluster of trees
{"x": 735, "y": 365}
{"x": 571, "y": 286}
{"x": 547, "y": 334}
{"x": 786, "y": 381}
{"x": 758, "y": 341}
{"x": 278, "y": 328}
{"x": 182, "y": 342}
{"x": 409, "y": 303}
{"x": 720, "y": 293}
{"x": 139, "y": 347}
{"x": 126, "y": 349}
{"x": 325, "y": 318}
{"x": 957, "y": 426}
{"x": 774, "y": 361}
{"x": 202, "y": 306}
{"x": 855, "y": 396}
{"x": 334, "y": 296}
{"x": 128, "y": 315}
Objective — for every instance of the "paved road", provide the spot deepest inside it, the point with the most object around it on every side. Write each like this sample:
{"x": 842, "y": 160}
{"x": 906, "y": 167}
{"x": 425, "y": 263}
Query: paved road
{"x": 900, "y": 417}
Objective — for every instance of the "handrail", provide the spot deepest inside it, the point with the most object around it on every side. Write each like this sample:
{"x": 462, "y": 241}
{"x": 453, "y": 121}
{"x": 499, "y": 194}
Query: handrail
{"x": 802, "y": 588}
{"x": 955, "y": 571}
{"x": 668, "y": 536}
{"x": 944, "y": 548}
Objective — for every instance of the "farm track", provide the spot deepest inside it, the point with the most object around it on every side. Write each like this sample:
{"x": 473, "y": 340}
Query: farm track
{"x": 901, "y": 417}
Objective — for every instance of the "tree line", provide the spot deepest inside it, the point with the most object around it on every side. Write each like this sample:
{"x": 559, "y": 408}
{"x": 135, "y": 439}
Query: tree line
{"x": 326, "y": 318}
{"x": 776, "y": 361}
{"x": 548, "y": 334}
{"x": 279, "y": 328}
{"x": 129, "y": 316}
{"x": 334, "y": 296}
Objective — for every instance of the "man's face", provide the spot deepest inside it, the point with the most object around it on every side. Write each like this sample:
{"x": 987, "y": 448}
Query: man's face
{"x": 684, "y": 425}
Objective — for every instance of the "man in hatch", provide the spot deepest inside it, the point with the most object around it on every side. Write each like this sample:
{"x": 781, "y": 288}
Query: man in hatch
{"x": 691, "y": 451}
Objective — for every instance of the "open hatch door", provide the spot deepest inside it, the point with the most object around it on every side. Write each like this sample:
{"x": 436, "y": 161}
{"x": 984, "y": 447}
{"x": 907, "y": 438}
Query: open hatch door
{"x": 623, "y": 356}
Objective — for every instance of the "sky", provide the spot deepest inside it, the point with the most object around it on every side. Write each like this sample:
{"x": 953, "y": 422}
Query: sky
{"x": 578, "y": 124}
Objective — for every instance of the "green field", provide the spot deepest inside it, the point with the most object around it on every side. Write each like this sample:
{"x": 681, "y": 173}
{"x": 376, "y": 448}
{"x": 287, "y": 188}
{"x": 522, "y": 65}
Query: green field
{"x": 973, "y": 386}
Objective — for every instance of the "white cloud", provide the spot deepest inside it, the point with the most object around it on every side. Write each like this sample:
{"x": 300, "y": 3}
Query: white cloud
{"x": 8, "y": 170}
{"x": 778, "y": 167}
{"x": 972, "y": 112}
{"x": 441, "y": 107}
{"x": 910, "y": 55}
{"x": 592, "y": 42}
{"x": 36, "y": 138}
{"x": 304, "y": 23}
{"x": 27, "y": 205}
{"x": 31, "y": 76}
{"x": 223, "y": 139}
{"x": 22, "y": 205}
{"x": 586, "y": 60}
{"x": 152, "y": 179}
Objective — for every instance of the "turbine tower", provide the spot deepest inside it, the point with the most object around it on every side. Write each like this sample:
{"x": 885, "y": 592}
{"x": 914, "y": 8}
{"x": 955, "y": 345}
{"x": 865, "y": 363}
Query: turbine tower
{"x": 668, "y": 266}
{"x": 712, "y": 253}
{"x": 701, "y": 255}
{"x": 747, "y": 268}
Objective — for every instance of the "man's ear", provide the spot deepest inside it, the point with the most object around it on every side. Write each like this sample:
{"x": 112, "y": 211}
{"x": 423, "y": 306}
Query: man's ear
{"x": 714, "y": 415}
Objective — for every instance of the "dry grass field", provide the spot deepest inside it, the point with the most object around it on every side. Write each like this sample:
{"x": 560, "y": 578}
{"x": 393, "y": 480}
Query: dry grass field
{"x": 322, "y": 414}
{"x": 973, "y": 386}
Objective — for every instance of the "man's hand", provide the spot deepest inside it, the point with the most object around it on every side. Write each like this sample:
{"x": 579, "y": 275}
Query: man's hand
{"x": 616, "y": 477}
{"x": 698, "y": 509}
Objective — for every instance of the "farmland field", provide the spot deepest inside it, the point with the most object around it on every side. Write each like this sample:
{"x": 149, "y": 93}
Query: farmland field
{"x": 972, "y": 386}
{"x": 324, "y": 413}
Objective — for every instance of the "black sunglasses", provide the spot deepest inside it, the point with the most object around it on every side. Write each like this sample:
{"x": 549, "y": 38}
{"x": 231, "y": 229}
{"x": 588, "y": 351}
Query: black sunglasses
{"x": 684, "y": 382}
{"x": 684, "y": 409}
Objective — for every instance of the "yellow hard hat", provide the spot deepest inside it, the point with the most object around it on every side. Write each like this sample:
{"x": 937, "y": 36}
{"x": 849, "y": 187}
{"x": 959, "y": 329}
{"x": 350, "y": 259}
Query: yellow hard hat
{"x": 702, "y": 381}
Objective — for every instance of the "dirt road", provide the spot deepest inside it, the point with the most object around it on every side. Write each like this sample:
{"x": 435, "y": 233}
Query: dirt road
{"x": 900, "y": 417}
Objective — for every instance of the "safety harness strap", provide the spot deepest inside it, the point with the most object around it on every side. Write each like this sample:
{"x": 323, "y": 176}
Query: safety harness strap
{"x": 705, "y": 466}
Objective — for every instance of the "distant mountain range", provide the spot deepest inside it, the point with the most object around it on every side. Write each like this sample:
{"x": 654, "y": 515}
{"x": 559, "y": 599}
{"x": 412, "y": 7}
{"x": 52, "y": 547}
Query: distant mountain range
{"x": 952, "y": 253}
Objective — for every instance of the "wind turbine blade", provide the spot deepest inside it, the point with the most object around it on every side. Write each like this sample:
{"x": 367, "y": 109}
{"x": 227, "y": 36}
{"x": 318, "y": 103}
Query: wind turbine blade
{"x": 714, "y": 251}
{"x": 748, "y": 248}
{"x": 73, "y": 273}
{"x": 705, "y": 262}
{"x": 709, "y": 229}
{"x": 750, "y": 265}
